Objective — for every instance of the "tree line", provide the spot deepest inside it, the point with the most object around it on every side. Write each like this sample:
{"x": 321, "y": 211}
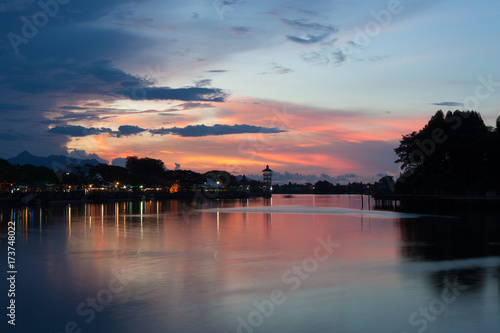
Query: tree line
{"x": 453, "y": 154}
{"x": 25, "y": 174}
{"x": 137, "y": 172}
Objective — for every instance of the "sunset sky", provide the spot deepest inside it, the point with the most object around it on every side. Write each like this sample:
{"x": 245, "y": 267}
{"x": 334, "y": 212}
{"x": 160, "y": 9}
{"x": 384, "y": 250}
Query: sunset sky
{"x": 323, "y": 87}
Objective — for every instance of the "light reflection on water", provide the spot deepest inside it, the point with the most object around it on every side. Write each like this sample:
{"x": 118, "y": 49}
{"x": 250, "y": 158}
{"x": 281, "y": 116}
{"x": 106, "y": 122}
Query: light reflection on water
{"x": 163, "y": 267}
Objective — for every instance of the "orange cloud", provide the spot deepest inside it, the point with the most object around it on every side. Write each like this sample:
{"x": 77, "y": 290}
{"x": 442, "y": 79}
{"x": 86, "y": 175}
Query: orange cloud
{"x": 316, "y": 140}
{"x": 334, "y": 163}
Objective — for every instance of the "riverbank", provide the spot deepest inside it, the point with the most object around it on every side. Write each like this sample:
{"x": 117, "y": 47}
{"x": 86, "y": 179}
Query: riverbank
{"x": 436, "y": 203}
{"x": 47, "y": 198}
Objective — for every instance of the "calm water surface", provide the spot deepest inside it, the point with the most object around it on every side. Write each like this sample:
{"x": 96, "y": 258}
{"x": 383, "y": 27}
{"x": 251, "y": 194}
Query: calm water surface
{"x": 166, "y": 267}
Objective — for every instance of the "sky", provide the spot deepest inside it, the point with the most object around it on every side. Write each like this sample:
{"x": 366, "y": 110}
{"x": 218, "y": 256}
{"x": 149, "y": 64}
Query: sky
{"x": 316, "y": 89}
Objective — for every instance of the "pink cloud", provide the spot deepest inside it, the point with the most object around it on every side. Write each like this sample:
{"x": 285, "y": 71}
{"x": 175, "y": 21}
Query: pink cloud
{"x": 316, "y": 140}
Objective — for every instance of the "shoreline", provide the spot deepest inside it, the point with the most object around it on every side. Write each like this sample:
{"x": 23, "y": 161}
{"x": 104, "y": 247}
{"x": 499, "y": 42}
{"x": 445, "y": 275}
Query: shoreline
{"x": 437, "y": 203}
{"x": 53, "y": 198}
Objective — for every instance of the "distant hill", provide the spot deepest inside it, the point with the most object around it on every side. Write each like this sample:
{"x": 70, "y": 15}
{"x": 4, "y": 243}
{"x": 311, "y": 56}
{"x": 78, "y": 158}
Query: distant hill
{"x": 54, "y": 162}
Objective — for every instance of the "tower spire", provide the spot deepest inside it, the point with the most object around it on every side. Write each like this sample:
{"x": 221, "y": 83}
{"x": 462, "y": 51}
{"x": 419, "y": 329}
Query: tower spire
{"x": 267, "y": 176}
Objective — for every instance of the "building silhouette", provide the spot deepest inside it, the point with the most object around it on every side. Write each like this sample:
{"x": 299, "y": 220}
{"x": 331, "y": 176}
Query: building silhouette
{"x": 267, "y": 179}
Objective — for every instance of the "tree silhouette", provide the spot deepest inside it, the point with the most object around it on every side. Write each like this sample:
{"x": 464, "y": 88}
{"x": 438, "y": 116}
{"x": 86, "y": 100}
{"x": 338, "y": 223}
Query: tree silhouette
{"x": 26, "y": 174}
{"x": 454, "y": 154}
{"x": 146, "y": 166}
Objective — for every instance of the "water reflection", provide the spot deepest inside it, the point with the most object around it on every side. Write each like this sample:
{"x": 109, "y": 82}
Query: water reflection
{"x": 199, "y": 271}
{"x": 434, "y": 238}
{"x": 464, "y": 251}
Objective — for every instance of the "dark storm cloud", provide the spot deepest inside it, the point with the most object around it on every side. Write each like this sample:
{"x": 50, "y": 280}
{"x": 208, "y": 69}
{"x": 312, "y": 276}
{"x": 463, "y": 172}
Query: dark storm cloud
{"x": 13, "y": 136}
{"x": 81, "y": 11}
{"x": 93, "y": 78}
{"x": 65, "y": 33}
{"x": 66, "y": 60}
{"x": 51, "y": 75}
{"x": 13, "y": 6}
{"x": 83, "y": 43}
{"x": 125, "y": 16}
{"x": 13, "y": 107}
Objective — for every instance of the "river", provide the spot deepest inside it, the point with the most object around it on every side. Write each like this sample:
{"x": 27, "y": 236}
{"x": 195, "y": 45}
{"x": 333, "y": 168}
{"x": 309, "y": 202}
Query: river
{"x": 302, "y": 264}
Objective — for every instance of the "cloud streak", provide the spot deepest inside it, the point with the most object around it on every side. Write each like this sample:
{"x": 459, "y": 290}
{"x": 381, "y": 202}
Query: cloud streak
{"x": 13, "y": 107}
{"x": 314, "y": 32}
{"x": 181, "y": 94}
{"x": 188, "y": 131}
{"x": 95, "y": 78}
{"x": 304, "y": 24}
{"x": 203, "y": 130}
{"x": 79, "y": 131}
{"x": 278, "y": 69}
{"x": 448, "y": 104}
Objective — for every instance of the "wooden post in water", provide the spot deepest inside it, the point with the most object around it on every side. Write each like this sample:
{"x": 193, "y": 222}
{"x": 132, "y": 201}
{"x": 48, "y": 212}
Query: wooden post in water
{"x": 369, "y": 197}
{"x": 362, "y": 202}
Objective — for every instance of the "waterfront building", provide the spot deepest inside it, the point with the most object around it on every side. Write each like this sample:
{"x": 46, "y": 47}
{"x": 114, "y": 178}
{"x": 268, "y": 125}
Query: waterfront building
{"x": 267, "y": 175}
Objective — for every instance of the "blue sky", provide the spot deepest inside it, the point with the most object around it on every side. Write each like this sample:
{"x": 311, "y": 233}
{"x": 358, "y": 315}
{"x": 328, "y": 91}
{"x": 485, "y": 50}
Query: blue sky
{"x": 310, "y": 87}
